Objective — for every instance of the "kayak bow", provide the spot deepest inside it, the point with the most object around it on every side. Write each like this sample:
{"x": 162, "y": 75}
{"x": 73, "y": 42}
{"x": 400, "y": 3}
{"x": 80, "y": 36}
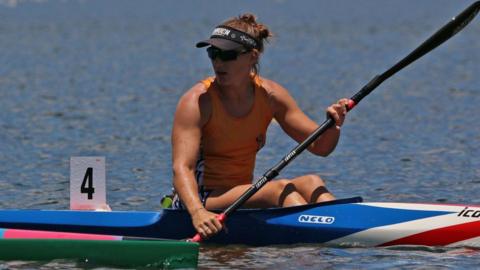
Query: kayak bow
{"x": 108, "y": 250}
{"x": 165, "y": 254}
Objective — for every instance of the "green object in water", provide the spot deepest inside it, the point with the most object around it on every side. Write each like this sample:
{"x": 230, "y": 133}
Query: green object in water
{"x": 123, "y": 253}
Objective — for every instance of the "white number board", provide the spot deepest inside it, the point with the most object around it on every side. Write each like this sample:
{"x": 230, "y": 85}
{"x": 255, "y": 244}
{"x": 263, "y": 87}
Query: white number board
{"x": 87, "y": 183}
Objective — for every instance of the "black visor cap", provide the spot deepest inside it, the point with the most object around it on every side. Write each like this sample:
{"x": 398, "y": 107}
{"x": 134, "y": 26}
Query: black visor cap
{"x": 222, "y": 44}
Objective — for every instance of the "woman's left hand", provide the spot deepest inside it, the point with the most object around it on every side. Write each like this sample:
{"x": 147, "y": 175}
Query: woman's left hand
{"x": 338, "y": 111}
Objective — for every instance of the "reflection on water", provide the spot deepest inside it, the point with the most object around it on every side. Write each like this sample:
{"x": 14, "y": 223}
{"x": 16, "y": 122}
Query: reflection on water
{"x": 302, "y": 257}
{"x": 319, "y": 257}
{"x": 102, "y": 78}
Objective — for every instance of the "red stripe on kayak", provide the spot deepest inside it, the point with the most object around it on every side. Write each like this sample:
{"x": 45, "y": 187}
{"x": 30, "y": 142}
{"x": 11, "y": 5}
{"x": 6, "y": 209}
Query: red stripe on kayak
{"x": 440, "y": 237}
{"x": 30, "y": 234}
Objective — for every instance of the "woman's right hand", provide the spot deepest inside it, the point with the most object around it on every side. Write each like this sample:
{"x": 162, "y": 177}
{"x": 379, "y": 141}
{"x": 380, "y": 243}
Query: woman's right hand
{"x": 206, "y": 223}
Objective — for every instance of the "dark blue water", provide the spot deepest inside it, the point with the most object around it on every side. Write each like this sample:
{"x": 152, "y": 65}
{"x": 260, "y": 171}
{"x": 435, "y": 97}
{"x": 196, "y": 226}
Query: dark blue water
{"x": 102, "y": 78}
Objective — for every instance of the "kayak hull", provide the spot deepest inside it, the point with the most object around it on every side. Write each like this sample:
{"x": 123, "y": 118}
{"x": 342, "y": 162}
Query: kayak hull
{"x": 164, "y": 254}
{"x": 346, "y": 222}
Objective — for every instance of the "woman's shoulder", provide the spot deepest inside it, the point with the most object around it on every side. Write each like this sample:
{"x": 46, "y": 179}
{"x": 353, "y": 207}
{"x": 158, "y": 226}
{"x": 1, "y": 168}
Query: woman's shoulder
{"x": 197, "y": 93}
{"x": 272, "y": 88}
{"x": 196, "y": 100}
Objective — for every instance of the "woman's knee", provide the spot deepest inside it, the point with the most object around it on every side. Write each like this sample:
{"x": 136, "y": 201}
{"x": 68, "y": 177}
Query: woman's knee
{"x": 283, "y": 186}
{"x": 313, "y": 181}
{"x": 287, "y": 193}
{"x": 319, "y": 190}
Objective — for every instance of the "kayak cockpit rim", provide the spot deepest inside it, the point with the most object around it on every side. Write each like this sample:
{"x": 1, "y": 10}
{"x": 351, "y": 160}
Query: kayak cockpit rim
{"x": 356, "y": 199}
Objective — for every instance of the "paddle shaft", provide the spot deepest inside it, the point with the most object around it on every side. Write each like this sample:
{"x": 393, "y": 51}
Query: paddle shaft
{"x": 442, "y": 35}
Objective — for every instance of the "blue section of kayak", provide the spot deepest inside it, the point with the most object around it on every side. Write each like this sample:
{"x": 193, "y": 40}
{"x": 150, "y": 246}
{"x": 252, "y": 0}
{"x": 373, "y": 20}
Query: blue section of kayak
{"x": 82, "y": 218}
{"x": 315, "y": 223}
{"x": 346, "y": 219}
{"x": 2, "y": 232}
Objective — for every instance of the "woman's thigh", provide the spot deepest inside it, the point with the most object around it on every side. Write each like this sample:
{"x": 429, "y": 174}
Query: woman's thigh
{"x": 312, "y": 188}
{"x": 274, "y": 193}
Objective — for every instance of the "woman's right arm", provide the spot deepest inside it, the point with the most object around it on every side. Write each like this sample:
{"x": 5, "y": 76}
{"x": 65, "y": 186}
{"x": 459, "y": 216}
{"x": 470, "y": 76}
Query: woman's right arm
{"x": 193, "y": 111}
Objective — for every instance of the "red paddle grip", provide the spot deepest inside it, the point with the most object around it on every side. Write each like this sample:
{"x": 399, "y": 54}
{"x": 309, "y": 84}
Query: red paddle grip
{"x": 350, "y": 104}
{"x": 198, "y": 238}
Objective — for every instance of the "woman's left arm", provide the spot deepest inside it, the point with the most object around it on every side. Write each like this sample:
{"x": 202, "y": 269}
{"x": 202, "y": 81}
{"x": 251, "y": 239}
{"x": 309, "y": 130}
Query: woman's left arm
{"x": 299, "y": 126}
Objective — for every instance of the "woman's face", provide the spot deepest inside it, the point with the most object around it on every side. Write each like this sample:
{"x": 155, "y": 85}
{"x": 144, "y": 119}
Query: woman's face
{"x": 230, "y": 72}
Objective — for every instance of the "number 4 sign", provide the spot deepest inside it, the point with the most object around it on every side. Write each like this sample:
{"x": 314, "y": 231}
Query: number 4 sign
{"x": 87, "y": 183}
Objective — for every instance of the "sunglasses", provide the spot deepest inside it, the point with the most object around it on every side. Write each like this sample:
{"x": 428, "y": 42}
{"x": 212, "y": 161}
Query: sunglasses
{"x": 214, "y": 53}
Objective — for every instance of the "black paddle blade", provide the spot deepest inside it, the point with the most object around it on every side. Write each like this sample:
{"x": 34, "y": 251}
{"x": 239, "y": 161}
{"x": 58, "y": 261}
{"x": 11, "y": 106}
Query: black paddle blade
{"x": 443, "y": 34}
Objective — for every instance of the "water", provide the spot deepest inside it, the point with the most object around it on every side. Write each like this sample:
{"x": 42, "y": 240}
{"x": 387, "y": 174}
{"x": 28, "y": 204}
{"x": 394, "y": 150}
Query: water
{"x": 102, "y": 78}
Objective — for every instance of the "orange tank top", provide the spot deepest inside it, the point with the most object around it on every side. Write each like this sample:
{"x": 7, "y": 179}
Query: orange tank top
{"x": 229, "y": 144}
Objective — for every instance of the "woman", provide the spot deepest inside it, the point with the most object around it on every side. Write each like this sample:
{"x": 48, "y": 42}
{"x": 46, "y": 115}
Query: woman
{"x": 221, "y": 122}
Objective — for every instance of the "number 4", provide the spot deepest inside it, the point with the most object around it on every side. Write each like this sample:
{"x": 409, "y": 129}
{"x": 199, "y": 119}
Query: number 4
{"x": 87, "y": 184}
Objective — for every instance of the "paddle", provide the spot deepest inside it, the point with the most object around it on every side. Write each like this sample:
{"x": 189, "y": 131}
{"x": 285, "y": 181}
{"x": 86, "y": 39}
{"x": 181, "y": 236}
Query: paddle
{"x": 442, "y": 35}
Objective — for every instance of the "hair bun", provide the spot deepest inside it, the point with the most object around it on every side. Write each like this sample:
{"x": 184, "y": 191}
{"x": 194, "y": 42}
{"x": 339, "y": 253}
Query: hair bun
{"x": 263, "y": 32}
{"x": 247, "y": 22}
{"x": 249, "y": 18}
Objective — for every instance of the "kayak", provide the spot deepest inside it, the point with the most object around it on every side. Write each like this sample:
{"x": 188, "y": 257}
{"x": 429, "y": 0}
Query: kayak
{"x": 344, "y": 222}
{"x": 105, "y": 250}
{"x": 164, "y": 254}
{"x": 35, "y": 234}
